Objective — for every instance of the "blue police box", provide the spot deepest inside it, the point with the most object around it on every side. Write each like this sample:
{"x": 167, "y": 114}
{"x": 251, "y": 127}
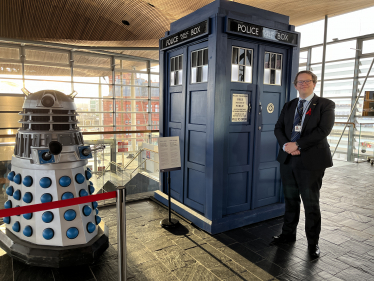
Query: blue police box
{"x": 226, "y": 71}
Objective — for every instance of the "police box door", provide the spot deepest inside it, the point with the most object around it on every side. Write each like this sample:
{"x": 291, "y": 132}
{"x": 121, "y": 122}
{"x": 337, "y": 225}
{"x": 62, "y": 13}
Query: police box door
{"x": 272, "y": 85}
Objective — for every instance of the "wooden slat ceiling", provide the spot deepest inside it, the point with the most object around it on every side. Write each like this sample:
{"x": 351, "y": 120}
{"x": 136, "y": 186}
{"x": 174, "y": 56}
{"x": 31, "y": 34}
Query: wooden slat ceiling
{"x": 99, "y": 22}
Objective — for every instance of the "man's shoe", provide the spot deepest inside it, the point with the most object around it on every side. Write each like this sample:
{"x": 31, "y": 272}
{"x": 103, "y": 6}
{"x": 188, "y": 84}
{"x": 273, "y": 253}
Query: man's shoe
{"x": 283, "y": 239}
{"x": 314, "y": 251}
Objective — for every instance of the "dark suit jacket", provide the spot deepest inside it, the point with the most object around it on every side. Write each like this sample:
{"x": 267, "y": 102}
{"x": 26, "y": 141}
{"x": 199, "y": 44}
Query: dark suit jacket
{"x": 315, "y": 150}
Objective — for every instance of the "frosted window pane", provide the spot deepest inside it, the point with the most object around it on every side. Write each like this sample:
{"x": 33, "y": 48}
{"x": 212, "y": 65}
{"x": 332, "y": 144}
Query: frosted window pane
{"x": 193, "y": 75}
{"x": 180, "y": 72}
{"x": 278, "y": 74}
{"x": 248, "y": 74}
{"x": 205, "y": 73}
{"x": 267, "y": 76}
{"x": 172, "y": 78}
{"x": 194, "y": 59}
{"x": 368, "y": 46}
{"x": 235, "y": 55}
{"x": 241, "y": 73}
{"x": 234, "y": 72}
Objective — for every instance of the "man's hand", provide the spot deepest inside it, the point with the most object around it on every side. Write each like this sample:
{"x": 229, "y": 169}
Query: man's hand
{"x": 297, "y": 152}
{"x": 290, "y": 147}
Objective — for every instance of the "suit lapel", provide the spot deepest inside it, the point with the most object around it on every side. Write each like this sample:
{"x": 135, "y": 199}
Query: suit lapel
{"x": 312, "y": 105}
{"x": 291, "y": 116}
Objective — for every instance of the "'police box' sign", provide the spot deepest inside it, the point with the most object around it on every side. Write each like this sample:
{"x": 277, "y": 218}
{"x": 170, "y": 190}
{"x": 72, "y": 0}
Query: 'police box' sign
{"x": 185, "y": 35}
{"x": 250, "y": 29}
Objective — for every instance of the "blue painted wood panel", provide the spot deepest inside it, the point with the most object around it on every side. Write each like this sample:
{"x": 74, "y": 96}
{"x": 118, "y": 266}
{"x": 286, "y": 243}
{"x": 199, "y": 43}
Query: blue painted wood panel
{"x": 198, "y": 102}
{"x": 239, "y": 149}
{"x": 197, "y": 147}
{"x": 238, "y": 190}
{"x": 196, "y": 189}
{"x": 267, "y": 181}
{"x": 176, "y": 102}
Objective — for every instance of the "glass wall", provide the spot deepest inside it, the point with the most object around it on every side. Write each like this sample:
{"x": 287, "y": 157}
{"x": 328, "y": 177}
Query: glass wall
{"x": 346, "y": 66}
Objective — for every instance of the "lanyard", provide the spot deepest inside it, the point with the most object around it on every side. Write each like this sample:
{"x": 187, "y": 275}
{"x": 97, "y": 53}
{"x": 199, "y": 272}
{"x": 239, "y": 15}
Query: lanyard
{"x": 302, "y": 111}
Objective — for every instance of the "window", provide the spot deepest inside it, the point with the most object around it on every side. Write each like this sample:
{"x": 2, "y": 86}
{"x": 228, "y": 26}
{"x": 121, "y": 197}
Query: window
{"x": 199, "y": 66}
{"x": 272, "y": 68}
{"x": 241, "y": 65}
{"x": 176, "y": 72}
{"x": 156, "y": 108}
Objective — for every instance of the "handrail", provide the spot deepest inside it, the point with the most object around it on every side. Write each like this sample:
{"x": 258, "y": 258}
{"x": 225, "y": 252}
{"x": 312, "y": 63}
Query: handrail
{"x": 348, "y": 123}
{"x": 101, "y": 133}
{"x": 136, "y": 155}
{"x": 138, "y": 167}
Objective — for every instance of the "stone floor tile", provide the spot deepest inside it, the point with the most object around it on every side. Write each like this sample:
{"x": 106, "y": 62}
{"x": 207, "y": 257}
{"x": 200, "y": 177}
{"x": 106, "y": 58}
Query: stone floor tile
{"x": 270, "y": 268}
{"x": 33, "y": 273}
{"x": 190, "y": 241}
{"x": 202, "y": 256}
{"x": 79, "y": 273}
{"x": 108, "y": 256}
{"x": 105, "y": 271}
{"x": 325, "y": 276}
{"x": 278, "y": 256}
{"x": 174, "y": 257}
{"x": 220, "y": 240}
{"x": 6, "y": 268}
{"x": 159, "y": 243}
{"x": 239, "y": 254}
{"x": 354, "y": 234}
{"x": 330, "y": 264}
{"x": 354, "y": 274}
{"x": 240, "y": 235}
{"x": 356, "y": 247}
{"x": 335, "y": 238}
{"x": 194, "y": 272}
{"x": 152, "y": 270}
{"x": 256, "y": 245}
{"x": 359, "y": 262}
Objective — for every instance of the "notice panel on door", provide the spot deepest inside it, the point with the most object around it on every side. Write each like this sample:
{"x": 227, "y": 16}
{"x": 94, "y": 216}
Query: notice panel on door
{"x": 239, "y": 108}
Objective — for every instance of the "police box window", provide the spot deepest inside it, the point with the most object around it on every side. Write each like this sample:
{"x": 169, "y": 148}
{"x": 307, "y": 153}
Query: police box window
{"x": 176, "y": 72}
{"x": 199, "y": 66}
{"x": 273, "y": 69}
{"x": 241, "y": 65}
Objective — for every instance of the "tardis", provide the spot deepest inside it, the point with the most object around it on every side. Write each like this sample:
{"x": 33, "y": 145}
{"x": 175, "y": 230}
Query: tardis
{"x": 226, "y": 71}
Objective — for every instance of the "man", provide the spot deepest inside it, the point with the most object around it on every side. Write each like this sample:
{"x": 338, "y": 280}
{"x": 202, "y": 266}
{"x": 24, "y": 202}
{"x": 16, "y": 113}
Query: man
{"x": 301, "y": 131}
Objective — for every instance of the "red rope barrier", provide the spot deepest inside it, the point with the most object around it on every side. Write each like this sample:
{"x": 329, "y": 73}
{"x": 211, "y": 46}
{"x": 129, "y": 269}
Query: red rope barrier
{"x": 56, "y": 204}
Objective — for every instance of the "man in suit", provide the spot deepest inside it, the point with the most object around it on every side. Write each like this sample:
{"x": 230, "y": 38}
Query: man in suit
{"x": 301, "y": 131}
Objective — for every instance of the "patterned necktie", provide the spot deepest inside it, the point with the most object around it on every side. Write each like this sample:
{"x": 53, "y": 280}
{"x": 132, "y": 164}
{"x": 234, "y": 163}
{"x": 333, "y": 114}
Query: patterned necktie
{"x": 298, "y": 116}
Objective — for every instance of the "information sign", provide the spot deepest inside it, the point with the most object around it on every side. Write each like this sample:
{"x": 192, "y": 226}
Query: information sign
{"x": 239, "y": 108}
{"x": 169, "y": 154}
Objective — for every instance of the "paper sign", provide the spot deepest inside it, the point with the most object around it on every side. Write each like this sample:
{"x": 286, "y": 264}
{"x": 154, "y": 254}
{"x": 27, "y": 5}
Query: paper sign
{"x": 239, "y": 108}
{"x": 169, "y": 154}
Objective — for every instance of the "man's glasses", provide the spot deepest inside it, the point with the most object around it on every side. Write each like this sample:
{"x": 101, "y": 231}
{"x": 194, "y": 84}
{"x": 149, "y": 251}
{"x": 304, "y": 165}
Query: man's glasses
{"x": 300, "y": 82}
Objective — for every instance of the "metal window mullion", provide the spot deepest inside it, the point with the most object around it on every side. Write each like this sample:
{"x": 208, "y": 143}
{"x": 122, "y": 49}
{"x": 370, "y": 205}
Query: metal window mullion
{"x": 71, "y": 63}
{"x": 113, "y": 148}
{"x": 324, "y": 56}
{"x": 149, "y": 99}
{"x": 353, "y": 99}
{"x": 22, "y": 57}
{"x": 309, "y": 58}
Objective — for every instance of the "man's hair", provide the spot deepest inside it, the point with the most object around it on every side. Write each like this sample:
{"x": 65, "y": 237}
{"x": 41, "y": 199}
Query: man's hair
{"x": 314, "y": 77}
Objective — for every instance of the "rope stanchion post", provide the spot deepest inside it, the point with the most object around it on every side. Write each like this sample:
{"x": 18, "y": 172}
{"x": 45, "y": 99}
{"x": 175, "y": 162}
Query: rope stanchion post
{"x": 121, "y": 233}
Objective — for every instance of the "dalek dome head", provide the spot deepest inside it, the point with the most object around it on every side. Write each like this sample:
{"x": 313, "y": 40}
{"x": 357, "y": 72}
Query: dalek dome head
{"x": 49, "y": 99}
{"x": 49, "y": 110}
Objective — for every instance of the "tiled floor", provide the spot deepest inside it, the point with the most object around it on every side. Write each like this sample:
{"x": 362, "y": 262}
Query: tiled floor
{"x": 347, "y": 243}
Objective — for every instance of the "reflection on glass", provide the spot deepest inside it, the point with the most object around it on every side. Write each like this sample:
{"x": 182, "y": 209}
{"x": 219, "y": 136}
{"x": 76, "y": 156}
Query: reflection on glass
{"x": 248, "y": 58}
{"x": 241, "y": 56}
{"x": 272, "y": 76}
{"x": 176, "y": 63}
{"x": 180, "y": 62}
{"x": 241, "y": 73}
{"x": 194, "y": 59}
{"x": 205, "y": 73}
{"x": 199, "y": 58}
{"x": 368, "y": 46}
{"x": 180, "y": 76}
{"x": 172, "y": 64}
{"x": 272, "y": 60}
{"x": 172, "y": 78}
{"x": 235, "y": 55}
{"x": 248, "y": 74}
{"x": 267, "y": 58}
{"x": 267, "y": 76}
{"x": 176, "y": 78}
{"x": 278, "y": 77}
{"x": 279, "y": 62}
{"x": 199, "y": 74}
{"x": 193, "y": 75}
{"x": 205, "y": 57}
{"x": 234, "y": 72}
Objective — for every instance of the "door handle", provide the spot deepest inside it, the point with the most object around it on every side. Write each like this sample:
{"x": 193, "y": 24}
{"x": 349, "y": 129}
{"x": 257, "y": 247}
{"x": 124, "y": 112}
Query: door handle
{"x": 249, "y": 107}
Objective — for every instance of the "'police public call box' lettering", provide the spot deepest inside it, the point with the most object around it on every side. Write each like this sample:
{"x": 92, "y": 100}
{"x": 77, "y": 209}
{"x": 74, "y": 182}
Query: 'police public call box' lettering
{"x": 185, "y": 35}
{"x": 250, "y": 29}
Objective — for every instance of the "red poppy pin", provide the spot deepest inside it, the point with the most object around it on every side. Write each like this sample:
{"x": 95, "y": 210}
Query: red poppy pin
{"x": 309, "y": 112}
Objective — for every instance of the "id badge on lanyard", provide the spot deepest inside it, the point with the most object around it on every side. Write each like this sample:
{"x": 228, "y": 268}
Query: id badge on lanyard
{"x": 298, "y": 126}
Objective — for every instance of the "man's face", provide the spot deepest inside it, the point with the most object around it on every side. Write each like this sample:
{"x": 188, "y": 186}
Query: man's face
{"x": 307, "y": 87}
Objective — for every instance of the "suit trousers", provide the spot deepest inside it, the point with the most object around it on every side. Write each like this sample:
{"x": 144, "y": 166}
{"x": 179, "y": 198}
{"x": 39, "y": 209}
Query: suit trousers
{"x": 298, "y": 181}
